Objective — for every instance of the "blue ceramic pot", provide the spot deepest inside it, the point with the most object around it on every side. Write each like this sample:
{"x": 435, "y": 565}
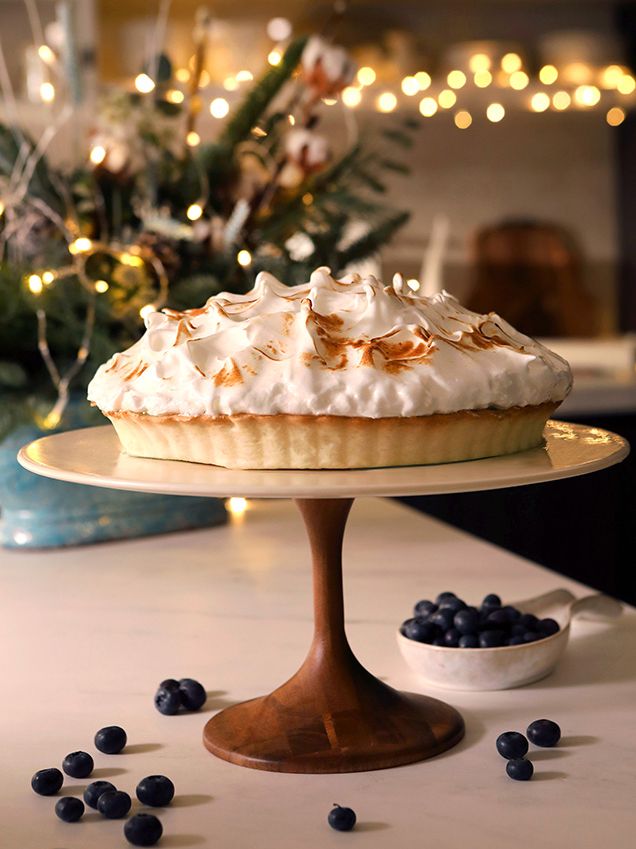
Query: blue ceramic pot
{"x": 37, "y": 512}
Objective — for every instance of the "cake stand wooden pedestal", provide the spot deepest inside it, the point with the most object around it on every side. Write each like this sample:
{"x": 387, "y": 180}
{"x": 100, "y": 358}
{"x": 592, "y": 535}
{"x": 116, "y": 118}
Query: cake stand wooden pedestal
{"x": 333, "y": 715}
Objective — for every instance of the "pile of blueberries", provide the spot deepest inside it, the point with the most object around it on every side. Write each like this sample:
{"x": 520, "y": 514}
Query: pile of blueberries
{"x": 449, "y": 621}
{"x": 513, "y": 746}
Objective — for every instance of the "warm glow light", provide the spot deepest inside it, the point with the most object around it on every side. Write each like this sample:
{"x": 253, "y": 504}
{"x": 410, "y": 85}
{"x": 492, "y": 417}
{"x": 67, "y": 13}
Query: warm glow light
{"x": 291, "y": 120}
{"x": 329, "y": 101}
{"x": 447, "y": 98}
{"x": 479, "y": 62}
{"x": 577, "y": 73}
{"x": 428, "y": 106}
{"x": 539, "y": 101}
{"x": 144, "y": 84}
{"x": 626, "y": 84}
{"x": 386, "y": 102}
{"x": 561, "y": 100}
{"x": 101, "y": 286}
{"x": 611, "y": 76}
{"x": 175, "y": 96}
{"x": 587, "y": 95}
{"x": 482, "y": 79}
{"x": 278, "y": 29}
{"x": 236, "y": 506}
{"x": 132, "y": 260}
{"x": 194, "y": 211}
{"x": 193, "y": 138}
{"x": 48, "y": 277}
{"x": 144, "y": 312}
{"x": 456, "y": 79}
{"x": 463, "y": 119}
{"x": 34, "y": 283}
{"x": 495, "y": 113}
{"x": 365, "y": 75}
{"x": 274, "y": 57}
{"x": 413, "y": 284}
{"x": 244, "y": 258}
{"x": 410, "y": 86}
{"x": 47, "y": 92}
{"x": 2, "y": 207}
{"x": 351, "y": 96}
{"x": 204, "y": 79}
{"x": 548, "y": 74}
{"x": 615, "y": 116}
{"x": 519, "y": 80}
{"x": 308, "y": 198}
{"x": 46, "y": 54}
{"x": 244, "y": 76}
{"x": 511, "y": 62}
{"x": 80, "y": 246}
{"x": 230, "y": 84}
{"x": 97, "y": 154}
{"x": 219, "y": 107}
{"x": 182, "y": 75}
{"x": 424, "y": 80}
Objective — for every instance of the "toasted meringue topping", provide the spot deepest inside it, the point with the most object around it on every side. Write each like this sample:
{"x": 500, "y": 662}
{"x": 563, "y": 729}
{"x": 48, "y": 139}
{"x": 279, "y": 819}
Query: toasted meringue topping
{"x": 350, "y": 347}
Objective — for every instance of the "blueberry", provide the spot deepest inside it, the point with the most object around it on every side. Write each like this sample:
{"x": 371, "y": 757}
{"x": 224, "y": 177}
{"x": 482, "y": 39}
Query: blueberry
{"x": 443, "y": 619}
{"x": 438, "y": 641}
{"x": 453, "y": 604}
{"x": 342, "y": 819}
{"x": 424, "y": 607}
{"x": 167, "y": 702}
{"x": 529, "y": 621}
{"x": 468, "y": 641}
{"x": 544, "y": 733}
{"x": 405, "y": 625}
{"x": 46, "y": 782}
{"x": 451, "y": 638}
{"x": 421, "y": 631}
{"x": 498, "y": 618}
{"x": 443, "y": 596}
{"x": 511, "y": 744}
{"x": 520, "y": 769}
{"x": 95, "y": 790}
{"x": 78, "y": 764}
{"x": 491, "y": 600}
{"x": 111, "y": 740}
{"x": 516, "y": 640}
{"x": 547, "y": 627}
{"x": 466, "y": 621}
{"x": 517, "y": 630}
{"x": 114, "y": 804}
{"x": 169, "y": 684}
{"x": 531, "y": 636}
{"x": 155, "y": 790}
{"x": 69, "y": 809}
{"x": 143, "y": 830}
{"x": 193, "y": 695}
{"x": 512, "y": 613}
{"x": 491, "y": 639}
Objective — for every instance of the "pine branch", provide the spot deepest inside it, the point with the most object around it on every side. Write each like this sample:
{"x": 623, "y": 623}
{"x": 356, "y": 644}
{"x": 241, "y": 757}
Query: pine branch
{"x": 372, "y": 241}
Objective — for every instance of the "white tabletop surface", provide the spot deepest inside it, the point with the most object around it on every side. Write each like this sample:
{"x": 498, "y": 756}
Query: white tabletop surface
{"x": 87, "y": 634}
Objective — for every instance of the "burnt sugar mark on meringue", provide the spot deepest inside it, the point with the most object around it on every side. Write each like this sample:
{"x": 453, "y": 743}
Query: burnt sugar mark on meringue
{"x": 229, "y": 374}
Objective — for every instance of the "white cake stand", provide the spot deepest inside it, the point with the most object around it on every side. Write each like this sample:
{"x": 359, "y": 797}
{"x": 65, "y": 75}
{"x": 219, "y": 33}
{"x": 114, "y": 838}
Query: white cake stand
{"x": 333, "y": 715}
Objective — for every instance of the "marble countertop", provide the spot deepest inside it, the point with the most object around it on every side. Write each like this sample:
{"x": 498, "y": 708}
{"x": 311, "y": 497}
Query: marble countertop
{"x": 88, "y": 633}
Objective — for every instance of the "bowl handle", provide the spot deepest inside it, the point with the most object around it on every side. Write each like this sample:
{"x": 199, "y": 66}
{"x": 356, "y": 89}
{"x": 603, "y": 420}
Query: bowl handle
{"x": 597, "y": 608}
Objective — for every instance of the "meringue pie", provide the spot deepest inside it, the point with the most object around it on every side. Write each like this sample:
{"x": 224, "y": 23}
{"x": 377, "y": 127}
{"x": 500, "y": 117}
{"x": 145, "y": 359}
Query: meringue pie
{"x": 329, "y": 374}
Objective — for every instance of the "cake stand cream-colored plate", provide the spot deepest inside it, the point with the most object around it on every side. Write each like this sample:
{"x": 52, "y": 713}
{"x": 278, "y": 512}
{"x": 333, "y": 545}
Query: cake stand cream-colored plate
{"x": 333, "y": 715}
{"x": 93, "y": 456}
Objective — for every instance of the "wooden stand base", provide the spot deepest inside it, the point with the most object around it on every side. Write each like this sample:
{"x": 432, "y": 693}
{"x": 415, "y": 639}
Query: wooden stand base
{"x": 333, "y": 715}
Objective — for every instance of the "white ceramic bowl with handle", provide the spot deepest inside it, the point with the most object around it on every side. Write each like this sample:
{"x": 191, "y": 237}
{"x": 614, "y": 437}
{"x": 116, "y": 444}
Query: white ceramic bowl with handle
{"x": 504, "y": 667}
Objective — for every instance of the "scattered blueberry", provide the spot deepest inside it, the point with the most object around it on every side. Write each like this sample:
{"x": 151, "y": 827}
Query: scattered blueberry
{"x": 547, "y": 627}
{"x": 143, "y": 830}
{"x": 155, "y": 790}
{"x": 78, "y": 765}
{"x": 114, "y": 804}
{"x": 193, "y": 695}
{"x": 169, "y": 684}
{"x": 466, "y": 621}
{"x": 491, "y": 639}
{"x": 544, "y": 733}
{"x": 451, "y": 638}
{"x": 519, "y": 769}
{"x": 95, "y": 790}
{"x": 420, "y": 630}
{"x": 512, "y": 745}
{"x": 167, "y": 701}
{"x": 342, "y": 819}
{"x": 424, "y": 608}
{"x": 469, "y": 641}
{"x": 46, "y": 782}
{"x": 69, "y": 809}
{"x": 111, "y": 740}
